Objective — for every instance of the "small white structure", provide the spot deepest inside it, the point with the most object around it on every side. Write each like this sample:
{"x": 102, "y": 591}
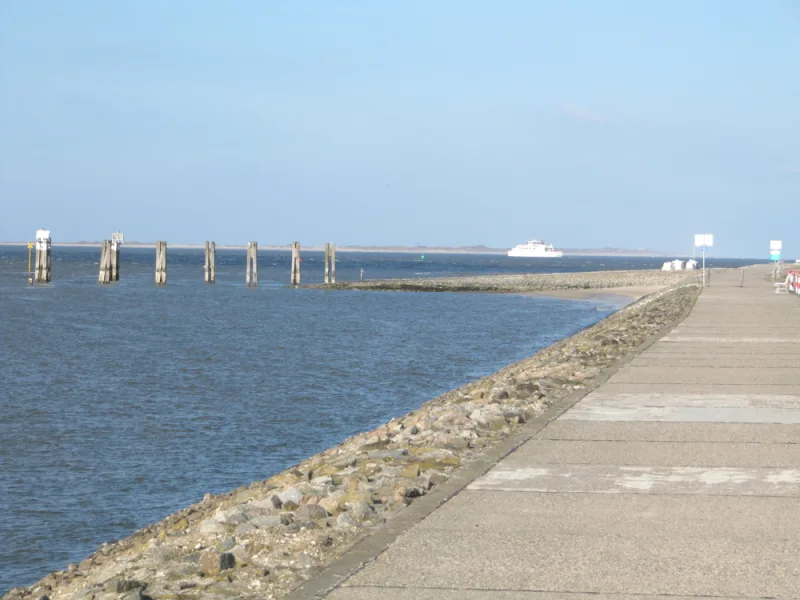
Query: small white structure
{"x": 675, "y": 265}
{"x": 41, "y": 273}
{"x": 43, "y": 240}
{"x": 691, "y": 265}
{"x": 117, "y": 239}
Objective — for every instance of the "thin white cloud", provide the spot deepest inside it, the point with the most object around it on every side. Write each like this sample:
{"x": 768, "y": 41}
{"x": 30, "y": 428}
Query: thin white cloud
{"x": 584, "y": 114}
{"x": 794, "y": 170}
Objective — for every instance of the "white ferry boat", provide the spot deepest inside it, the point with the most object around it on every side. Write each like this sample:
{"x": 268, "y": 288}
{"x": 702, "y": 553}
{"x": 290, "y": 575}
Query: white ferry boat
{"x": 535, "y": 249}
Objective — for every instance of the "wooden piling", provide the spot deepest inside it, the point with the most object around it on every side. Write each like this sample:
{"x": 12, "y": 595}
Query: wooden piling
{"x": 251, "y": 276}
{"x": 741, "y": 281}
{"x": 295, "y": 275}
{"x": 293, "y": 264}
{"x": 164, "y": 262}
{"x": 105, "y": 251}
{"x": 161, "y": 263}
{"x": 327, "y": 279}
{"x": 43, "y": 258}
{"x": 101, "y": 278}
{"x": 210, "y": 268}
{"x": 115, "y": 251}
{"x": 333, "y": 262}
{"x": 213, "y": 262}
{"x": 117, "y": 239}
{"x": 111, "y": 262}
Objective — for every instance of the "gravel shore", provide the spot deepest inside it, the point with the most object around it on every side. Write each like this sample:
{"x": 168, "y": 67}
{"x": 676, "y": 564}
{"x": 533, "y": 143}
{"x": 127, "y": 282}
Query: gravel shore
{"x": 263, "y": 540}
{"x": 538, "y": 282}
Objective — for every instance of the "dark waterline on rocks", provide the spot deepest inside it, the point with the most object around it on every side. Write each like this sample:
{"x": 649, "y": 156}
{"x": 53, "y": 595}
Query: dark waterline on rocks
{"x": 121, "y": 404}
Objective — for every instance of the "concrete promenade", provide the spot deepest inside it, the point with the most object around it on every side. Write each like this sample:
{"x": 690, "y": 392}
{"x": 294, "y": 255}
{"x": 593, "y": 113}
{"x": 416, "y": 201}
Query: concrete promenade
{"x": 677, "y": 478}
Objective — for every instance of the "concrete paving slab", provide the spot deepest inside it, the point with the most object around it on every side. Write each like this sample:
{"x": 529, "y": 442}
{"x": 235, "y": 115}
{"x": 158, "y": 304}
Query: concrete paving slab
{"x": 607, "y": 564}
{"x": 687, "y": 407}
{"x": 724, "y": 375}
{"x": 767, "y": 331}
{"x": 684, "y": 415}
{"x": 728, "y": 349}
{"x": 718, "y": 361}
{"x": 722, "y": 339}
{"x": 602, "y": 397}
{"x": 612, "y": 387}
{"x": 614, "y": 479}
{"x": 739, "y": 323}
{"x": 670, "y": 432}
{"x": 642, "y": 516}
{"x": 702, "y": 454}
{"x": 417, "y": 593}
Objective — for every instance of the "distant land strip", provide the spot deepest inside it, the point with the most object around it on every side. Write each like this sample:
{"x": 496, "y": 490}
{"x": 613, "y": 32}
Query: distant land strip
{"x": 624, "y": 252}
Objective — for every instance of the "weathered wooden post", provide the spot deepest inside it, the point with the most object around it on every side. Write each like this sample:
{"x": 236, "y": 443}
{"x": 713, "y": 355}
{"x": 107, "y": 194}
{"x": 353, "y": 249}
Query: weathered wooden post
{"x": 117, "y": 239}
{"x": 206, "y": 268}
{"x": 113, "y": 261}
{"x": 741, "y": 281}
{"x": 210, "y": 268}
{"x": 43, "y": 249}
{"x": 295, "y": 263}
{"x": 105, "y": 250}
{"x": 333, "y": 262}
{"x": 327, "y": 279}
{"x": 100, "y": 277}
{"x": 161, "y": 263}
{"x": 212, "y": 262}
{"x": 101, "y": 274}
{"x": 251, "y": 276}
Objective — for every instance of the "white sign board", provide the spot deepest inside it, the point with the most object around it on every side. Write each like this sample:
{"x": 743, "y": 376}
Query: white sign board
{"x": 704, "y": 239}
{"x": 775, "y": 245}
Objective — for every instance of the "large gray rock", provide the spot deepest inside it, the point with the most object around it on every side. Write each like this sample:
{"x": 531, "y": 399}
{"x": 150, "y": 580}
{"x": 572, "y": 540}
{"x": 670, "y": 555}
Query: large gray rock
{"x": 311, "y": 512}
{"x": 232, "y": 516}
{"x": 346, "y": 519}
{"x": 360, "y": 510}
{"x": 211, "y": 526}
{"x": 266, "y": 522}
{"x": 122, "y": 586}
{"x": 291, "y": 494}
{"x": 212, "y": 563}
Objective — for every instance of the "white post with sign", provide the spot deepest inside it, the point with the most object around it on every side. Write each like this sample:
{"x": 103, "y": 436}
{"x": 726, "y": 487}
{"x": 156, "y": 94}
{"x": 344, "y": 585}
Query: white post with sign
{"x": 775, "y": 247}
{"x": 704, "y": 240}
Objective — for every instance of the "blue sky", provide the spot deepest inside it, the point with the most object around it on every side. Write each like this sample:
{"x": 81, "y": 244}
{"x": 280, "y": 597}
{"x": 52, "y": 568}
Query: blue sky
{"x": 588, "y": 123}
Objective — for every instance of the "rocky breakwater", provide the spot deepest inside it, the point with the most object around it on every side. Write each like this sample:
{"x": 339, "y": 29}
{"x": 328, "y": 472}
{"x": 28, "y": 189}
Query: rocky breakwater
{"x": 523, "y": 282}
{"x": 263, "y": 540}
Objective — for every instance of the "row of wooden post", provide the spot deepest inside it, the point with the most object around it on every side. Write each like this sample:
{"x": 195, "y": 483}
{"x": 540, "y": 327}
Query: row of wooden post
{"x": 110, "y": 253}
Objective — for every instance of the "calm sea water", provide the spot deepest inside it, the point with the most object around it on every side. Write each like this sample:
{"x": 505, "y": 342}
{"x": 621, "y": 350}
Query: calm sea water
{"x": 120, "y": 404}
